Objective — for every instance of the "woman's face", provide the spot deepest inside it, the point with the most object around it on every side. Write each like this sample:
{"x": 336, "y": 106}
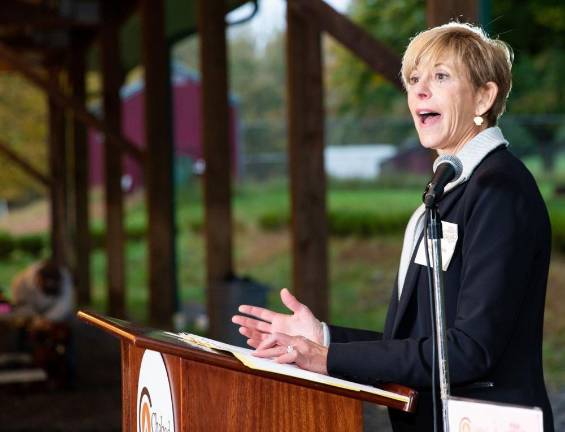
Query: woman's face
{"x": 443, "y": 103}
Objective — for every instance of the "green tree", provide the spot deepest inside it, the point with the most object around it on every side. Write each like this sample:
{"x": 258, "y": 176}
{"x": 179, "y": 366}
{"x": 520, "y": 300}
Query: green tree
{"x": 536, "y": 32}
{"x": 257, "y": 84}
{"x": 258, "y": 76}
{"x": 23, "y": 125}
{"x": 355, "y": 89}
{"x": 534, "y": 29}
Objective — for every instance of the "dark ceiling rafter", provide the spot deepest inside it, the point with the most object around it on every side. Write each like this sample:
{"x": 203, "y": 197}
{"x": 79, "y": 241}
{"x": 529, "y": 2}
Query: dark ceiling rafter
{"x": 19, "y": 14}
{"x": 23, "y": 164}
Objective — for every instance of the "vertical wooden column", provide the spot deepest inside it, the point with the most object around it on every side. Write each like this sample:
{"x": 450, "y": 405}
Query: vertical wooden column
{"x": 57, "y": 165}
{"x": 217, "y": 177}
{"x": 306, "y": 164}
{"x": 159, "y": 166}
{"x": 81, "y": 225}
{"x": 443, "y": 11}
{"x": 112, "y": 81}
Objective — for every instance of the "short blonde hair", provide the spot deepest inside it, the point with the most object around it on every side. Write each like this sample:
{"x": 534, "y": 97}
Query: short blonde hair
{"x": 484, "y": 59}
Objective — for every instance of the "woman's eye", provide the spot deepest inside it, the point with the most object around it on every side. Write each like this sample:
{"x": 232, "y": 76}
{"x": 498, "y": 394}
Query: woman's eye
{"x": 413, "y": 80}
{"x": 441, "y": 76}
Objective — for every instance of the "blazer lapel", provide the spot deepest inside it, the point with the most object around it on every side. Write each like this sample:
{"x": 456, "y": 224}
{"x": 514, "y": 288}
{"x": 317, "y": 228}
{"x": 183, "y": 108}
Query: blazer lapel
{"x": 413, "y": 274}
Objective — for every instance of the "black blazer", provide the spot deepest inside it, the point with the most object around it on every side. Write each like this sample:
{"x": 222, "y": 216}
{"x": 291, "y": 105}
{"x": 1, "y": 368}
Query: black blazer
{"x": 494, "y": 300}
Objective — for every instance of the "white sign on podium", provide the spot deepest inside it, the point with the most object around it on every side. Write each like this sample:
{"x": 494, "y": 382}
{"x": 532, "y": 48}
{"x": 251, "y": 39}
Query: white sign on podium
{"x": 469, "y": 415}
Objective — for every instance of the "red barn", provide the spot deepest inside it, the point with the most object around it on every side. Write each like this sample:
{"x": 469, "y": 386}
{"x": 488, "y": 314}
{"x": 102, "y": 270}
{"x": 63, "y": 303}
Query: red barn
{"x": 186, "y": 123}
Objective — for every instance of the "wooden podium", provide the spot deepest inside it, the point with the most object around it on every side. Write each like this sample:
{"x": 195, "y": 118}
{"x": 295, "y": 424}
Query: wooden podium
{"x": 215, "y": 392}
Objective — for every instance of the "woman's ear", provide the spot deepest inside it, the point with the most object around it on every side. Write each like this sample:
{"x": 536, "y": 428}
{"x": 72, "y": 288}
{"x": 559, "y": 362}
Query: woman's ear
{"x": 485, "y": 97}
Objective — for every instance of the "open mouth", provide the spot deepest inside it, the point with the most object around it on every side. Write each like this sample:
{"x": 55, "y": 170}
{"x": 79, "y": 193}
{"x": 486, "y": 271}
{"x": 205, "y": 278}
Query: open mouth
{"x": 428, "y": 117}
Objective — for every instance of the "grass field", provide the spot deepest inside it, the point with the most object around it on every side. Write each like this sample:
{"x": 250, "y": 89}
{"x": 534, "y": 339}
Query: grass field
{"x": 362, "y": 270}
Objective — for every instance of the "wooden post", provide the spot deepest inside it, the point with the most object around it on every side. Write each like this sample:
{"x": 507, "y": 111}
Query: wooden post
{"x": 443, "y": 11}
{"x": 81, "y": 225}
{"x": 57, "y": 164}
{"x": 112, "y": 81}
{"x": 159, "y": 167}
{"x": 306, "y": 164}
{"x": 217, "y": 177}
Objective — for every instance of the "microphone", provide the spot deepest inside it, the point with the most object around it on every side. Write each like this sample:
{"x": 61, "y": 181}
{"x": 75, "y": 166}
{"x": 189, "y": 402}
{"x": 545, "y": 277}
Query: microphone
{"x": 447, "y": 168}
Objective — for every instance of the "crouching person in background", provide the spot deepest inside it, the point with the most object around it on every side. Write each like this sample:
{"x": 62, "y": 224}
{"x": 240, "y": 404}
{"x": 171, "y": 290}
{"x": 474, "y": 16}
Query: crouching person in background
{"x": 43, "y": 303}
{"x": 43, "y": 294}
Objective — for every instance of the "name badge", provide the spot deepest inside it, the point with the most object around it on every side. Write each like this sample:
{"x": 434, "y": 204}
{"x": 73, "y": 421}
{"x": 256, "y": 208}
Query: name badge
{"x": 448, "y": 243}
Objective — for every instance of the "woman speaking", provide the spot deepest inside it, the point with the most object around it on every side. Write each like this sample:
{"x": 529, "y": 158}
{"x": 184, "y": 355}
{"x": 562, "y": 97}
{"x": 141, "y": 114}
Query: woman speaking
{"x": 457, "y": 82}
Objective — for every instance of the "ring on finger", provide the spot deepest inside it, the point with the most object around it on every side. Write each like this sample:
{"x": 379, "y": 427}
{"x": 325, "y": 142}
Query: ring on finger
{"x": 289, "y": 349}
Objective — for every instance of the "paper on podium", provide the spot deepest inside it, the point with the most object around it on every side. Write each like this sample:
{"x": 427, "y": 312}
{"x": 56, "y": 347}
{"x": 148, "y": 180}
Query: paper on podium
{"x": 245, "y": 356}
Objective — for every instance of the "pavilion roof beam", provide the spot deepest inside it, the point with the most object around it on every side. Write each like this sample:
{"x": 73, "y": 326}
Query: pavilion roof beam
{"x": 77, "y": 108}
{"x": 24, "y": 15}
{"x": 27, "y": 43}
{"x": 24, "y": 165}
{"x": 376, "y": 55}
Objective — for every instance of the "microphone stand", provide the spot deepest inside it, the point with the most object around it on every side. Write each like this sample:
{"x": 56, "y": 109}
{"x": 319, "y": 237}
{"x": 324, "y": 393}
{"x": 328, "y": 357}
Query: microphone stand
{"x": 435, "y": 234}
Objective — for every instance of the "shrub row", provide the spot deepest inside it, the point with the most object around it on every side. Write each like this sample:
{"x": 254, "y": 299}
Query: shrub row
{"x": 34, "y": 244}
{"x": 342, "y": 223}
{"x": 558, "y": 230}
{"x": 346, "y": 222}
{"x": 133, "y": 233}
{"x": 31, "y": 244}
{"x": 368, "y": 224}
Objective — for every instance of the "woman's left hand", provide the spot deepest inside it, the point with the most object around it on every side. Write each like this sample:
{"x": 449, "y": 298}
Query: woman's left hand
{"x": 283, "y": 348}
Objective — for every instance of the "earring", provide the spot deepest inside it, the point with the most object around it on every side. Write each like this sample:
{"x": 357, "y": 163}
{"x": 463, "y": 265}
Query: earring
{"x": 478, "y": 120}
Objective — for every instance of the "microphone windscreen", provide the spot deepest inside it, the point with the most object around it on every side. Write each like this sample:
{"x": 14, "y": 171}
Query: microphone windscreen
{"x": 454, "y": 161}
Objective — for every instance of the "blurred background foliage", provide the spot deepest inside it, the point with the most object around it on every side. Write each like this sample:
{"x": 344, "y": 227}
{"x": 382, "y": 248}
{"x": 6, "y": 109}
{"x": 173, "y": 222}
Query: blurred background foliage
{"x": 361, "y": 105}
{"x": 23, "y": 126}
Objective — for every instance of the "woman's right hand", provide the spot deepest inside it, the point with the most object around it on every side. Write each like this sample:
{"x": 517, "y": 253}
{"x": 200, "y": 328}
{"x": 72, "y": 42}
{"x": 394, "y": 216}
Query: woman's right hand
{"x": 261, "y": 322}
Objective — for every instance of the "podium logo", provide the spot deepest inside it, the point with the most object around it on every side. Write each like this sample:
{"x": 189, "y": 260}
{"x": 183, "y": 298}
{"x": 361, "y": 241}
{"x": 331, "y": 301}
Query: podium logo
{"x": 465, "y": 425}
{"x": 144, "y": 410}
{"x": 154, "y": 400}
